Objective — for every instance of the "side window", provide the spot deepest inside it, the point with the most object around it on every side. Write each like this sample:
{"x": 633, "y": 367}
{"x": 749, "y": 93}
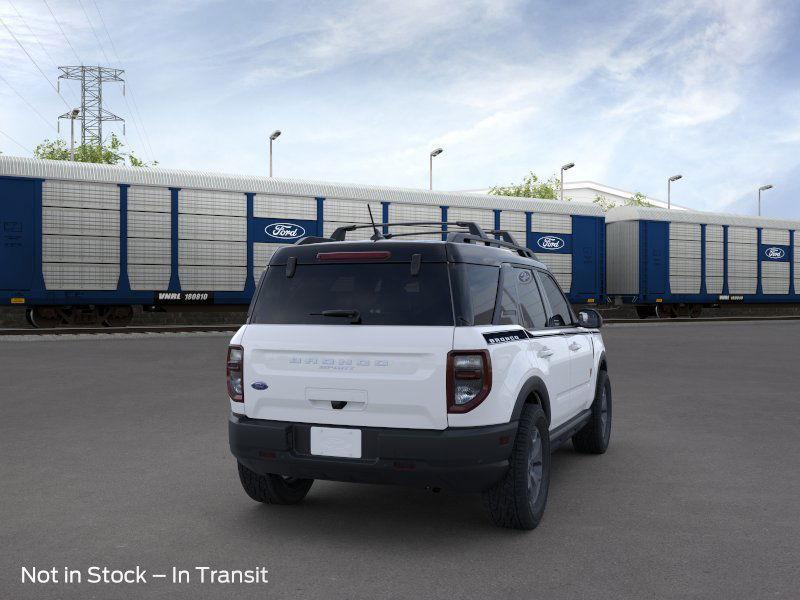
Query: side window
{"x": 507, "y": 306}
{"x": 562, "y": 313}
{"x": 530, "y": 300}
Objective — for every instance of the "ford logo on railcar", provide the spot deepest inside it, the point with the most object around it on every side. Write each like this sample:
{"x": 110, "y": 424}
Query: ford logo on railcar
{"x": 286, "y": 231}
{"x": 775, "y": 253}
{"x": 550, "y": 242}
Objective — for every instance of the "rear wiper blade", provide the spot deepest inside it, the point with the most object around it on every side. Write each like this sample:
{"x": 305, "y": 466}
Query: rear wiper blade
{"x": 353, "y": 315}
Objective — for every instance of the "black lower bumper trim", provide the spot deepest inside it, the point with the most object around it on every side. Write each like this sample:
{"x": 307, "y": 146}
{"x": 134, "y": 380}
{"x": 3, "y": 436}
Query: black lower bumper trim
{"x": 468, "y": 459}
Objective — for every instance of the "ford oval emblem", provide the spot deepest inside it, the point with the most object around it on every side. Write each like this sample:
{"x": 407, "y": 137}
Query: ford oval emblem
{"x": 259, "y": 385}
{"x": 285, "y": 231}
{"x": 775, "y": 253}
{"x": 550, "y": 242}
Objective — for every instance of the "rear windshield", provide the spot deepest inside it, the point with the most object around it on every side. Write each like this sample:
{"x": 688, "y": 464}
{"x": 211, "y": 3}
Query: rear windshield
{"x": 372, "y": 294}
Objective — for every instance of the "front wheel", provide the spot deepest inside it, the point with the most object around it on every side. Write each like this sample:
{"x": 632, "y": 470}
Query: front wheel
{"x": 518, "y": 500}
{"x": 593, "y": 438}
{"x": 273, "y": 489}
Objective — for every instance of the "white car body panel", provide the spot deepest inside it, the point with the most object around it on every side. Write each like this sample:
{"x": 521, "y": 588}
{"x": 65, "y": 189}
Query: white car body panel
{"x": 389, "y": 376}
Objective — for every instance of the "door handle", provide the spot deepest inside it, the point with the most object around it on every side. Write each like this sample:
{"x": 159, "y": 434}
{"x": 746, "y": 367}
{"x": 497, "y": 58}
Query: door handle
{"x": 574, "y": 346}
{"x": 545, "y": 352}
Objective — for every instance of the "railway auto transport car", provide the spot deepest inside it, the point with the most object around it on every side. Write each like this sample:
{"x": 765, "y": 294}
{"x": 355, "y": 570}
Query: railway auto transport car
{"x": 671, "y": 263}
{"x": 87, "y": 242}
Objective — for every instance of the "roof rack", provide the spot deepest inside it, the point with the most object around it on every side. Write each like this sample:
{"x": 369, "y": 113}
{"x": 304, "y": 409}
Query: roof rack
{"x": 473, "y": 234}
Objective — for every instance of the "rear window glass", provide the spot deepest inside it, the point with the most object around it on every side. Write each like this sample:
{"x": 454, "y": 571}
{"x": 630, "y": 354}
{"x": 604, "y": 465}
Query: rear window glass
{"x": 380, "y": 294}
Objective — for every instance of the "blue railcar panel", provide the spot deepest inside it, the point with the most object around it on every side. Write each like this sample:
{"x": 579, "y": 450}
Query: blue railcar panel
{"x": 586, "y": 246}
{"x": 656, "y": 257}
{"x": 18, "y": 230}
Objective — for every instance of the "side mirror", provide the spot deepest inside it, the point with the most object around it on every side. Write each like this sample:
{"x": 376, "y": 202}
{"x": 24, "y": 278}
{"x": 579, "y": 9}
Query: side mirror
{"x": 590, "y": 319}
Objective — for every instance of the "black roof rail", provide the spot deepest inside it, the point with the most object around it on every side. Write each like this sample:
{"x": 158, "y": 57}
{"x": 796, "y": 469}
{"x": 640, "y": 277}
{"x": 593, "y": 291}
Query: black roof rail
{"x": 340, "y": 233}
{"x": 312, "y": 239}
{"x": 504, "y": 235}
{"x": 473, "y": 234}
{"x": 466, "y": 238}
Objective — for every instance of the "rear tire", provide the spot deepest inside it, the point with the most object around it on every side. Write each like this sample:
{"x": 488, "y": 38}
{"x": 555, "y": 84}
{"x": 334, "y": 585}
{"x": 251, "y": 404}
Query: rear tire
{"x": 595, "y": 435}
{"x": 273, "y": 489}
{"x": 518, "y": 500}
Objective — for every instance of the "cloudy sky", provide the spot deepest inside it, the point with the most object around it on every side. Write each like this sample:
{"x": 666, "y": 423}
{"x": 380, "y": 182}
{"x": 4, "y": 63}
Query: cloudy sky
{"x": 632, "y": 92}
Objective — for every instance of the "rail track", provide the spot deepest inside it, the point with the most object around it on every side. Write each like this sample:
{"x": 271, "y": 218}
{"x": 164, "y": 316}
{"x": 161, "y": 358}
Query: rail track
{"x": 231, "y": 328}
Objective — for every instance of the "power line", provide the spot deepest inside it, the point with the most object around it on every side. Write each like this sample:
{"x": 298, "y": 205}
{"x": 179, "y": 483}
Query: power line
{"x": 31, "y": 106}
{"x": 99, "y": 43}
{"x": 66, "y": 39}
{"x": 35, "y": 64}
{"x": 36, "y": 37}
{"x": 16, "y": 142}
{"x": 136, "y": 116}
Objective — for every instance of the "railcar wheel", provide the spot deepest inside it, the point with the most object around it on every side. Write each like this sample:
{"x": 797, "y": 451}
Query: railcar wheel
{"x": 44, "y": 316}
{"x": 696, "y": 311}
{"x": 117, "y": 316}
{"x": 645, "y": 311}
{"x": 665, "y": 311}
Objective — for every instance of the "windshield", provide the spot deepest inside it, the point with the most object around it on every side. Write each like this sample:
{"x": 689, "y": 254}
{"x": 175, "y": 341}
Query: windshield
{"x": 353, "y": 294}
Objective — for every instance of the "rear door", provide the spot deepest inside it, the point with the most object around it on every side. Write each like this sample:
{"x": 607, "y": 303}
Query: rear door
{"x": 16, "y": 233}
{"x": 547, "y": 344}
{"x": 579, "y": 345}
{"x": 350, "y": 344}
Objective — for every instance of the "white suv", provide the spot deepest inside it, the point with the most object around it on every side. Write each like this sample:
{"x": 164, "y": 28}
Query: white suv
{"x": 454, "y": 364}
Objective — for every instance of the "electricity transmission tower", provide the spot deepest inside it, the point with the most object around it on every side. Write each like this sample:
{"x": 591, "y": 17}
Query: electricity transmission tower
{"x": 92, "y": 113}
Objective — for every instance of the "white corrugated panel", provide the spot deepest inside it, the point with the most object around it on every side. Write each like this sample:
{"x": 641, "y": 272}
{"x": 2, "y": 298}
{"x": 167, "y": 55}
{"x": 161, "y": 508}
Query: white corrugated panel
{"x": 633, "y": 213}
{"x": 748, "y": 252}
{"x": 742, "y": 235}
{"x": 79, "y": 248}
{"x": 269, "y": 206}
{"x": 715, "y": 233}
{"x": 715, "y": 250}
{"x": 351, "y": 211}
{"x": 147, "y": 251}
{"x": 149, "y": 199}
{"x": 79, "y": 194}
{"x": 739, "y": 285}
{"x": 148, "y": 277}
{"x": 684, "y": 284}
{"x": 714, "y": 284}
{"x": 796, "y": 262}
{"x": 685, "y": 249}
{"x": 715, "y": 267}
{"x": 149, "y": 225}
{"x": 80, "y": 276}
{"x": 743, "y": 268}
{"x": 512, "y": 220}
{"x": 684, "y": 231}
{"x": 211, "y": 202}
{"x": 775, "y": 236}
{"x": 551, "y": 223}
{"x": 208, "y": 227}
{"x": 775, "y": 277}
{"x": 203, "y": 252}
{"x": 204, "y": 278}
{"x": 76, "y": 221}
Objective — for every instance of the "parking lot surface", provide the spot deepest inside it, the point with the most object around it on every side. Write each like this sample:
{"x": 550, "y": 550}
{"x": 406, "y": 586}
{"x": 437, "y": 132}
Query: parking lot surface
{"x": 114, "y": 453}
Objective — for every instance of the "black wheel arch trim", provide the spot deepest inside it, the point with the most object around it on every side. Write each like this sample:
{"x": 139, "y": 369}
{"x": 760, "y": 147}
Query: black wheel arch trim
{"x": 534, "y": 385}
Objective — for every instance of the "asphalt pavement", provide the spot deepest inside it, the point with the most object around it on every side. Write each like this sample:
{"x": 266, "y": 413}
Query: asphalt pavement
{"x": 114, "y": 453}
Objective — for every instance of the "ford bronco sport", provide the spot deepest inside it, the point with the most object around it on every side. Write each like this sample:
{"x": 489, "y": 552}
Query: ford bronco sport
{"x": 455, "y": 364}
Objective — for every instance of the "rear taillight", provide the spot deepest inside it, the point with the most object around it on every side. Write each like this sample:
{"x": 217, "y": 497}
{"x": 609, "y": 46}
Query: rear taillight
{"x": 235, "y": 372}
{"x": 469, "y": 379}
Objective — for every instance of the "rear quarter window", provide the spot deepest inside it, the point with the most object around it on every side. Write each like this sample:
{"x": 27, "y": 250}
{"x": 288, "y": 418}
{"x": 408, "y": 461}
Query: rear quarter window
{"x": 475, "y": 293}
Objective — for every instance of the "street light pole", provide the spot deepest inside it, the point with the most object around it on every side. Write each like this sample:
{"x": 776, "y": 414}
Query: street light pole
{"x": 72, "y": 115}
{"x": 761, "y": 189}
{"x": 436, "y": 152}
{"x": 669, "y": 190}
{"x": 564, "y": 168}
{"x": 272, "y": 138}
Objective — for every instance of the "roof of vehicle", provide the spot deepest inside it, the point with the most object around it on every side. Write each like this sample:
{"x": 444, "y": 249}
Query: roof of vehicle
{"x": 402, "y": 251}
{"x": 15, "y": 166}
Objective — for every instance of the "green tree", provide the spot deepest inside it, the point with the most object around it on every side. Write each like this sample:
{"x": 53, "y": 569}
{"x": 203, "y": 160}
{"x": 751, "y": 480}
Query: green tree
{"x": 531, "y": 187}
{"x": 604, "y": 203}
{"x": 638, "y": 199}
{"x": 112, "y": 153}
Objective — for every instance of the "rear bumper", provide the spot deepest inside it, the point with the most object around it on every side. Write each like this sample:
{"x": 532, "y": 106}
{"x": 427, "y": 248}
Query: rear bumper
{"x": 467, "y": 459}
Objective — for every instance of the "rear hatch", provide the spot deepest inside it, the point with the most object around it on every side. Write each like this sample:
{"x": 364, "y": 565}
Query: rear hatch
{"x": 350, "y": 340}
